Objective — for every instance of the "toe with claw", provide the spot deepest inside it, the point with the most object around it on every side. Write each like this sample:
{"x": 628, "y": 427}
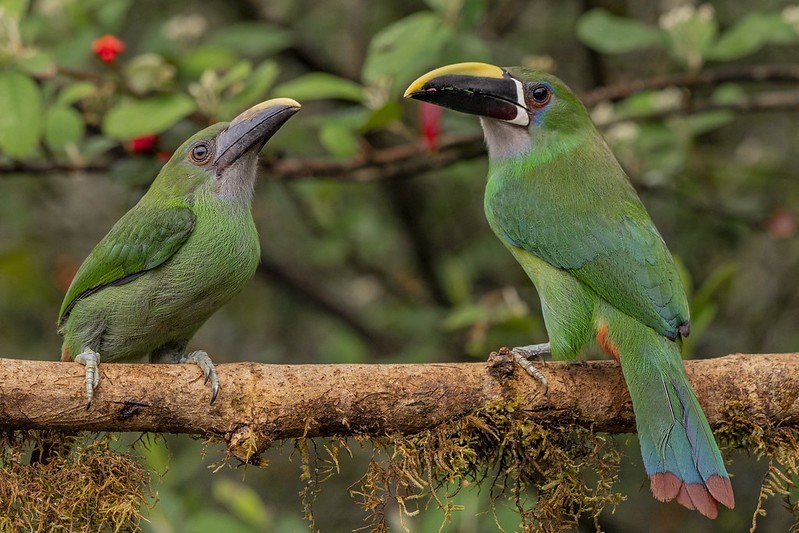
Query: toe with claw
{"x": 90, "y": 359}
{"x": 201, "y": 359}
{"x": 524, "y": 355}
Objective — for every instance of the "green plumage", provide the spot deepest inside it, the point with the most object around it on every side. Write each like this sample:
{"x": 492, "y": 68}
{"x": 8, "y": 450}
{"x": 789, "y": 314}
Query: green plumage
{"x": 144, "y": 237}
{"x": 175, "y": 258}
{"x": 561, "y": 203}
{"x": 136, "y": 320}
{"x": 569, "y": 203}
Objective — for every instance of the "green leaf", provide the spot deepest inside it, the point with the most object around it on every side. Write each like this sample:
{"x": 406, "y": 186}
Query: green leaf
{"x": 209, "y": 519}
{"x": 254, "y": 90}
{"x": 133, "y": 118}
{"x": 36, "y": 63}
{"x": 729, "y": 93}
{"x": 750, "y": 34}
{"x": 320, "y": 86}
{"x": 235, "y": 74}
{"x": 465, "y": 47}
{"x": 610, "y": 34}
{"x": 709, "y": 120}
{"x": 382, "y": 116}
{"x": 403, "y": 50}
{"x": 243, "y": 501}
{"x": 207, "y": 57}
{"x": 76, "y": 51}
{"x": 63, "y": 126}
{"x": 338, "y": 139}
{"x": 20, "y": 114}
{"x": 252, "y": 39}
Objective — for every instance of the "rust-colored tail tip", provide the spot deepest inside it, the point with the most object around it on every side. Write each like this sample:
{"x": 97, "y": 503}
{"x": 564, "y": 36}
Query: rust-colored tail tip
{"x": 665, "y": 486}
{"x": 704, "y": 498}
{"x": 703, "y": 501}
{"x": 721, "y": 489}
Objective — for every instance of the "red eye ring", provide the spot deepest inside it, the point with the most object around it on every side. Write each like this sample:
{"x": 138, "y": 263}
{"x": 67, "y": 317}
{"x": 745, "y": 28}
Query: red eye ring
{"x": 541, "y": 94}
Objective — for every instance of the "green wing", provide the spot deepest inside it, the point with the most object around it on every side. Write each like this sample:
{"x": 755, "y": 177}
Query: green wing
{"x": 141, "y": 240}
{"x": 625, "y": 261}
{"x": 600, "y": 232}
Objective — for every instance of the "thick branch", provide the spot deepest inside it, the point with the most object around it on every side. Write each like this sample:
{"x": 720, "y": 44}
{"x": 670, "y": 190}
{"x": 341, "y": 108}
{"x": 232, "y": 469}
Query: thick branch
{"x": 259, "y": 403}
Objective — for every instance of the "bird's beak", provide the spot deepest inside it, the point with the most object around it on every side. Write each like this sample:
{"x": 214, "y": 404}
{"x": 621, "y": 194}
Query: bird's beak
{"x": 475, "y": 88}
{"x": 251, "y": 130}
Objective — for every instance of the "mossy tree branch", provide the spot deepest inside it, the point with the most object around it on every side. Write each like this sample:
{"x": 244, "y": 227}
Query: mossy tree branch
{"x": 259, "y": 403}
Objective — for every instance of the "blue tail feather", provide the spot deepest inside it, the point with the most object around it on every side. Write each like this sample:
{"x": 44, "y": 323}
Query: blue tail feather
{"x": 678, "y": 448}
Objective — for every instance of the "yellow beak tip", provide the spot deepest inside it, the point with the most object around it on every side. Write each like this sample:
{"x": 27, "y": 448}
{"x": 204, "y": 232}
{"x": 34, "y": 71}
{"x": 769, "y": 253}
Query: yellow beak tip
{"x": 483, "y": 70}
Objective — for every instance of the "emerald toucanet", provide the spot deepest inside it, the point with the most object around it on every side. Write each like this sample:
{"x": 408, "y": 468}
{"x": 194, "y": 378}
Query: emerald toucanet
{"x": 560, "y": 202}
{"x": 177, "y": 256}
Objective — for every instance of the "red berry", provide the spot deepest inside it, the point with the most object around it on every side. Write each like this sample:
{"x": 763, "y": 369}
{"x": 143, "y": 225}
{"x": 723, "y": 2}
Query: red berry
{"x": 107, "y": 47}
{"x": 145, "y": 143}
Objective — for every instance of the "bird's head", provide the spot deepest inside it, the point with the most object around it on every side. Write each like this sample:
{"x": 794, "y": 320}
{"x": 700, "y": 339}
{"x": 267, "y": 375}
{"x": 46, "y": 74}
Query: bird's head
{"x": 225, "y": 155}
{"x": 517, "y": 106}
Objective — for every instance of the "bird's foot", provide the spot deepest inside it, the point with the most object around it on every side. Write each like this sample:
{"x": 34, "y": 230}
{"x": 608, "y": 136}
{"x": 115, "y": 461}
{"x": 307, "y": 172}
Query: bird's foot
{"x": 524, "y": 356}
{"x": 202, "y": 359}
{"x": 90, "y": 359}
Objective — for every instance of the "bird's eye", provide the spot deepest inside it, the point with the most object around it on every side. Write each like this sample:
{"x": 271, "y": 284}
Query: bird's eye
{"x": 200, "y": 153}
{"x": 541, "y": 94}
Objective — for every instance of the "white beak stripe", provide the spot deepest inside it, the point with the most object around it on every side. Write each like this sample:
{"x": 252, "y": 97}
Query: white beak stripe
{"x": 522, "y": 118}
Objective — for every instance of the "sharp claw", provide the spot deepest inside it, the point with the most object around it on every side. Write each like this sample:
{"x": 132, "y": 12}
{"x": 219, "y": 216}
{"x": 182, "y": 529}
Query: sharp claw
{"x": 202, "y": 360}
{"x": 523, "y": 354}
{"x": 90, "y": 360}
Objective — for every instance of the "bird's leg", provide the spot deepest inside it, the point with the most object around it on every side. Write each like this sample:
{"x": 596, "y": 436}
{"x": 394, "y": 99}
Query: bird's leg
{"x": 524, "y": 355}
{"x": 202, "y": 359}
{"x": 90, "y": 359}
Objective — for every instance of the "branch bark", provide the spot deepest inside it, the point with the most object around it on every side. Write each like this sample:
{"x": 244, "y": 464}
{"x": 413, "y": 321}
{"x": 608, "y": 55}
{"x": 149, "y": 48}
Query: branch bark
{"x": 259, "y": 403}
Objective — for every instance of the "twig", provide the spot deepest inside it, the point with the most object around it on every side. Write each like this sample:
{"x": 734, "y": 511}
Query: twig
{"x": 413, "y": 160}
{"x": 391, "y": 163}
{"x": 769, "y": 101}
{"x": 745, "y": 74}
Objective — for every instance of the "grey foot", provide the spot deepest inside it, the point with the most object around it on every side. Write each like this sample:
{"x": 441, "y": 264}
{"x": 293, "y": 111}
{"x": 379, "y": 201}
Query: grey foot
{"x": 90, "y": 359}
{"x": 201, "y": 359}
{"x": 524, "y": 355}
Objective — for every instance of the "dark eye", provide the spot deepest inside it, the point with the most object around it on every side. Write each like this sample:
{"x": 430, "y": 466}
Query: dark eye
{"x": 200, "y": 153}
{"x": 541, "y": 94}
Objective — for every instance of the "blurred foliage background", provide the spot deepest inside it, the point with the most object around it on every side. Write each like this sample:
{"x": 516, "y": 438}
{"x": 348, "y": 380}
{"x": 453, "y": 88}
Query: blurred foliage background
{"x": 362, "y": 269}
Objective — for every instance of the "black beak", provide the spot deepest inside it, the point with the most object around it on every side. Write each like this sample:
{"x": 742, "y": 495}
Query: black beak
{"x": 474, "y": 88}
{"x": 252, "y": 129}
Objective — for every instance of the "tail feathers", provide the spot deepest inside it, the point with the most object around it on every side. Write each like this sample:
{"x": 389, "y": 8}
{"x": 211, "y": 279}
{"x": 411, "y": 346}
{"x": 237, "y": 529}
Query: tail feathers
{"x": 704, "y": 497}
{"x": 682, "y": 460}
{"x": 678, "y": 449}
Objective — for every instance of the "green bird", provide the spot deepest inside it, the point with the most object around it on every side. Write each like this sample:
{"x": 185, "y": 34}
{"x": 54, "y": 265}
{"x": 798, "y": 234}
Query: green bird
{"x": 558, "y": 199}
{"x": 177, "y": 256}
